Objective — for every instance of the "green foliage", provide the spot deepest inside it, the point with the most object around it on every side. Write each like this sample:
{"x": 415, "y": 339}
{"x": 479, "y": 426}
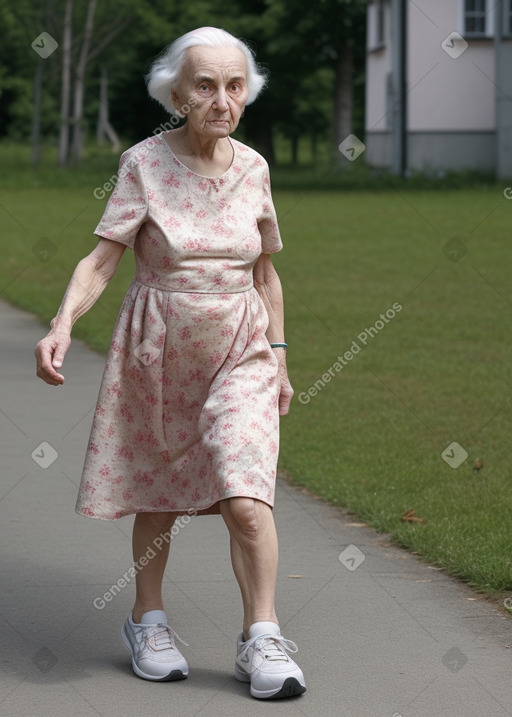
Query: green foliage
{"x": 297, "y": 41}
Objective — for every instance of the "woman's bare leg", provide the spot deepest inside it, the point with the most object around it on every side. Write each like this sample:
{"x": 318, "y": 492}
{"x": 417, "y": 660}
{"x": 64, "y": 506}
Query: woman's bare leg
{"x": 254, "y": 556}
{"x": 147, "y": 528}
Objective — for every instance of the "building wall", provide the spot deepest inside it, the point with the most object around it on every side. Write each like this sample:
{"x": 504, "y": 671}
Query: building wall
{"x": 446, "y": 93}
{"x": 432, "y": 152}
{"x": 451, "y": 102}
{"x": 378, "y": 149}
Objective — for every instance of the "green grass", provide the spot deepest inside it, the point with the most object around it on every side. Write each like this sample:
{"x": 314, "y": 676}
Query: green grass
{"x": 439, "y": 371}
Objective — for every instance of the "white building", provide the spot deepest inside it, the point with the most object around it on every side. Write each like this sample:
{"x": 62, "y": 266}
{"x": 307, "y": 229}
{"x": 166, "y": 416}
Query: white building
{"x": 439, "y": 85}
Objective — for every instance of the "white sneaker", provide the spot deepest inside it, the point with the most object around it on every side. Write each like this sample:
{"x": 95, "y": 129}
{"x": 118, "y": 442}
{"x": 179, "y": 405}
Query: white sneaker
{"x": 263, "y": 661}
{"x": 152, "y": 644}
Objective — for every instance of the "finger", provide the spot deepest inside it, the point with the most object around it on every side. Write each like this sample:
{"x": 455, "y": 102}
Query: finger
{"x": 284, "y": 402}
{"x": 58, "y": 358}
{"x": 59, "y": 353}
{"x": 52, "y": 377}
{"x": 45, "y": 369}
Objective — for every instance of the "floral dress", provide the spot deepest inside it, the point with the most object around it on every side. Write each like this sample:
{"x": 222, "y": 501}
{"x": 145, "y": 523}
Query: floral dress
{"x": 187, "y": 413}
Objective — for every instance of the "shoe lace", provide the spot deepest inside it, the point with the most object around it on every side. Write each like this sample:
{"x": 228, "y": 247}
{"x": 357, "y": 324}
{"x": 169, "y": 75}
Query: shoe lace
{"x": 163, "y": 635}
{"x": 273, "y": 647}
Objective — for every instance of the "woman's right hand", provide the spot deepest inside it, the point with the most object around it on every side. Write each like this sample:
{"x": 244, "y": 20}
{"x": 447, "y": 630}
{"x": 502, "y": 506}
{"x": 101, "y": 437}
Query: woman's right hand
{"x": 50, "y": 353}
{"x": 89, "y": 279}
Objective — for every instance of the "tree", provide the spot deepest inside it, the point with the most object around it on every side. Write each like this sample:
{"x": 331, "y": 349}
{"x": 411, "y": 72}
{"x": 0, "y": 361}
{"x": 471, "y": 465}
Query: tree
{"x": 79, "y": 88}
{"x": 327, "y": 34}
{"x": 65, "y": 91}
{"x": 315, "y": 54}
{"x": 104, "y": 127}
{"x": 86, "y": 54}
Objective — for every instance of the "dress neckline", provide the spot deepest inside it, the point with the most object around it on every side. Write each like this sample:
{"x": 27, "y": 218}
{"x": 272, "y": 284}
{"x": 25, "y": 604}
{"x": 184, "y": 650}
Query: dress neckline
{"x": 190, "y": 171}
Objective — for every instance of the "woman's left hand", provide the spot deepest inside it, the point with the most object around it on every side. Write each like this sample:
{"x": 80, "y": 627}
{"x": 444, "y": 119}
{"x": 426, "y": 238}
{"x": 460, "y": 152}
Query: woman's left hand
{"x": 286, "y": 390}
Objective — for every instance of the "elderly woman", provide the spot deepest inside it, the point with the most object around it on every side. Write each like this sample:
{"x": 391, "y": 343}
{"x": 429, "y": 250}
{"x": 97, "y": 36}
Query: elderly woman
{"x": 187, "y": 419}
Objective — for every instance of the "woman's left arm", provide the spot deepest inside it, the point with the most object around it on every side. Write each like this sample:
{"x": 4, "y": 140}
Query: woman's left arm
{"x": 268, "y": 286}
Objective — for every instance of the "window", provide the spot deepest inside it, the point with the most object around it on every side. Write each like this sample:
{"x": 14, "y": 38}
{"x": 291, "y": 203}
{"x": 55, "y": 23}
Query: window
{"x": 474, "y": 17}
{"x": 478, "y": 18}
{"x": 377, "y": 25}
{"x": 507, "y": 23}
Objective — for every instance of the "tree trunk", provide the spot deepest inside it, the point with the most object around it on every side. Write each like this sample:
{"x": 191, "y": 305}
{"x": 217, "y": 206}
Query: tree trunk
{"x": 36, "y": 117}
{"x": 103, "y": 107}
{"x": 344, "y": 95}
{"x": 295, "y": 149}
{"x": 67, "y": 36}
{"x": 259, "y": 134}
{"x": 113, "y": 137}
{"x": 314, "y": 146}
{"x": 77, "y": 146}
{"x": 104, "y": 126}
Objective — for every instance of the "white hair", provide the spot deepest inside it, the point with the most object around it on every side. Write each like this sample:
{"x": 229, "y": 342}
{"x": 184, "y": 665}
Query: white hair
{"x": 164, "y": 74}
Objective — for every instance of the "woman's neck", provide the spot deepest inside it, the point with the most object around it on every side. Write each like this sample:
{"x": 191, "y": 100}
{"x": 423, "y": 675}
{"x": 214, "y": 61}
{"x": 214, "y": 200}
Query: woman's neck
{"x": 211, "y": 156}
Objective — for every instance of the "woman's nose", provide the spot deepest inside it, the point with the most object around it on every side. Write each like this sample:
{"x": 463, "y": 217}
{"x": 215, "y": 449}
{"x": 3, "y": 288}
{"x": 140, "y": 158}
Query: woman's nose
{"x": 221, "y": 101}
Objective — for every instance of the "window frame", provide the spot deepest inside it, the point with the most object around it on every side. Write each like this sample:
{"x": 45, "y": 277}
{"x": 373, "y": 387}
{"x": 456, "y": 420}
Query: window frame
{"x": 377, "y": 25}
{"x": 507, "y": 18}
{"x": 488, "y": 31}
{"x": 380, "y": 23}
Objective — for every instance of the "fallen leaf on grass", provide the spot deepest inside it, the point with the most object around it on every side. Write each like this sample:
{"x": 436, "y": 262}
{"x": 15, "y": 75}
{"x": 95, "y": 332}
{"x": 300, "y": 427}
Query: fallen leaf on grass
{"x": 410, "y": 517}
{"x": 478, "y": 464}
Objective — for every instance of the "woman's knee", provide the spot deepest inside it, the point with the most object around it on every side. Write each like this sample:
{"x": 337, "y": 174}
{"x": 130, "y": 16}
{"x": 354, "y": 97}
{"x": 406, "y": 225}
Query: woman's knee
{"x": 245, "y": 516}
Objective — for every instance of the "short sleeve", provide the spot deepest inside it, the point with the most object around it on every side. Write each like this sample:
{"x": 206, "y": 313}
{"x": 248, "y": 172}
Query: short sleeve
{"x": 126, "y": 209}
{"x": 267, "y": 222}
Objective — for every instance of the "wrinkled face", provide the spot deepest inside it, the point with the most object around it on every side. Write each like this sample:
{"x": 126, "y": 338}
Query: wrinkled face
{"x": 215, "y": 79}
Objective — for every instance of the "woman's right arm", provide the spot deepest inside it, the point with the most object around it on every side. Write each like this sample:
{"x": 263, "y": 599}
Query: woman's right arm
{"x": 90, "y": 277}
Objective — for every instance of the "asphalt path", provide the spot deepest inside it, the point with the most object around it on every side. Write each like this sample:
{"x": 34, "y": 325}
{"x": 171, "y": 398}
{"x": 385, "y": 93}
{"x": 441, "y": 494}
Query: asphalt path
{"x": 380, "y": 634}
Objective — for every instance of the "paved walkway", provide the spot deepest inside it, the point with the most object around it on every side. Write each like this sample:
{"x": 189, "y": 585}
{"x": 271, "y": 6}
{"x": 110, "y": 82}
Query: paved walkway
{"x": 380, "y": 637}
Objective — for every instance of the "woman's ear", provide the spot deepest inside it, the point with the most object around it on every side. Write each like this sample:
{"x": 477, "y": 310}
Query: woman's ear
{"x": 175, "y": 99}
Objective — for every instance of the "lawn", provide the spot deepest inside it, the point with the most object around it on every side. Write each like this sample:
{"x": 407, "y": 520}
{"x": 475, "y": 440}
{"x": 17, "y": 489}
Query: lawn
{"x": 377, "y": 400}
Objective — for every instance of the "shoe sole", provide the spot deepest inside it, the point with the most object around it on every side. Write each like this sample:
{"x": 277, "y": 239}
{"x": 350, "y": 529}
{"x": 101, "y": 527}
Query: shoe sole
{"x": 291, "y": 687}
{"x": 173, "y": 676}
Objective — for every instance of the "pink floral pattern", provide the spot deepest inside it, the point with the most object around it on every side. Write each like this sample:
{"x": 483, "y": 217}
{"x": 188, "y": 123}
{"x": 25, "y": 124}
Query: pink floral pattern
{"x": 187, "y": 412}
